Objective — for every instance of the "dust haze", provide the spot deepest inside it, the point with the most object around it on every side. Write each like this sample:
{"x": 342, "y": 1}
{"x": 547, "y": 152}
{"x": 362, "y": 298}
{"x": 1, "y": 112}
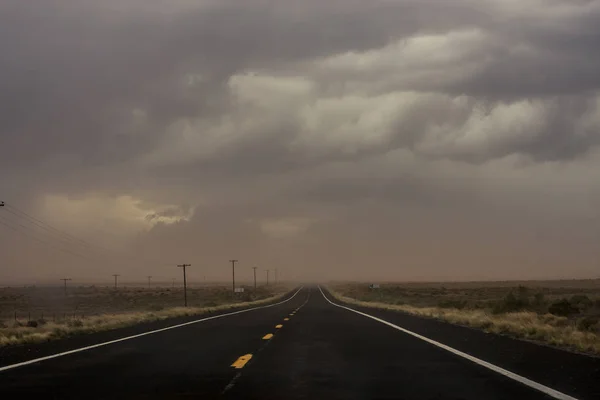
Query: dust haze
{"x": 380, "y": 140}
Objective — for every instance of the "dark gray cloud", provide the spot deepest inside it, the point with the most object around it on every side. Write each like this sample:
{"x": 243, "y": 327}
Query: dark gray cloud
{"x": 290, "y": 122}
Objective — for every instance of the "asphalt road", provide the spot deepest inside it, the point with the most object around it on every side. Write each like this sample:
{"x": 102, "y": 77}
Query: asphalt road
{"x": 304, "y": 348}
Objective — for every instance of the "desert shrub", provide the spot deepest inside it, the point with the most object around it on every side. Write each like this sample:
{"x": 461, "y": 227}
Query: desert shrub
{"x": 563, "y": 308}
{"x": 589, "y": 324}
{"x": 510, "y": 303}
{"x": 582, "y": 302}
{"x": 246, "y": 296}
{"x": 538, "y": 299}
{"x": 554, "y": 320}
{"x": 523, "y": 292}
{"x": 458, "y": 304}
{"x": 155, "y": 307}
{"x": 76, "y": 323}
{"x": 32, "y": 324}
{"x": 42, "y": 321}
{"x": 60, "y": 332}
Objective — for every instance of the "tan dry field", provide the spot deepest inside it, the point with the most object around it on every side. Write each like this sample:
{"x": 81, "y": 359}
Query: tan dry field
{"x": 565, "y": 313}
{"x": 37, "y": 314}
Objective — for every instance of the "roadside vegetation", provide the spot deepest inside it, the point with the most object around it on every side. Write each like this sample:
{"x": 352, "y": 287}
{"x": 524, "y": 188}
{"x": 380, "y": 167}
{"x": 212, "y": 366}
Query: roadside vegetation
{"x": 559, "y": 313}
{"x": 25, "y": 319}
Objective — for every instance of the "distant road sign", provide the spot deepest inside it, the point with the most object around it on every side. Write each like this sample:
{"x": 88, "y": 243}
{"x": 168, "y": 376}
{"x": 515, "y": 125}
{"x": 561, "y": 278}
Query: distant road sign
{"x": 239, "y": 290}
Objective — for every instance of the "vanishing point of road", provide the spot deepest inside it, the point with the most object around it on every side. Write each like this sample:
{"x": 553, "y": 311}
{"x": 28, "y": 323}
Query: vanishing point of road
{"x": 307, "y": 346}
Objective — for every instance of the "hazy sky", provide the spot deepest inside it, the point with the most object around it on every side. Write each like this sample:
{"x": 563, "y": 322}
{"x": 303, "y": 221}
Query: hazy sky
{"x": 380, "y": 139}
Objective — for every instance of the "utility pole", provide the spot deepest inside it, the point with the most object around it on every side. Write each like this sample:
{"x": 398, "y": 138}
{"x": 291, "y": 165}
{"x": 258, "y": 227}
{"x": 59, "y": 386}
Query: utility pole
{"x": 149, "y": 280}
{"x": 116, "y": 276}
{"x": 184, "y": 282}
{"x": 268, "y": 277}
{"x": 276, "y": 281}
{"x": 254, "y": 268}
{"x": 65, "y": 281}
{"x": 233, "y": 273}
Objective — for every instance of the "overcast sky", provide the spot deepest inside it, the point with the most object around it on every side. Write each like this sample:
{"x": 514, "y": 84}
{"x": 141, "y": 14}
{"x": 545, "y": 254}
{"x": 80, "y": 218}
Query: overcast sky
{"x": 332, "y": 139}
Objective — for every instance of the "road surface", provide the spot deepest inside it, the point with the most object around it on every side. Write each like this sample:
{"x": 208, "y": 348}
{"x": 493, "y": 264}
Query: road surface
{"x": 303, "y": 348}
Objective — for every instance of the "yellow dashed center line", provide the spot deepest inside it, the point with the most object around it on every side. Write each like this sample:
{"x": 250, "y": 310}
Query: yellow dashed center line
{"x": 240, "y": 362}
{"x": 243, "y": 360}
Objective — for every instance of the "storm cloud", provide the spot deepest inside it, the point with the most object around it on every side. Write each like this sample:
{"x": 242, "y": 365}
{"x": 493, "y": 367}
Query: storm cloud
{"x": 386, "y": 139}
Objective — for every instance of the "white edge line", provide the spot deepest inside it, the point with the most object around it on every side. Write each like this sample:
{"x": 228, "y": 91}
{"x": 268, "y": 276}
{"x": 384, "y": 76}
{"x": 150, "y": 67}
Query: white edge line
{"x": 66, "y": 353}
{"x": 521, "y": 379}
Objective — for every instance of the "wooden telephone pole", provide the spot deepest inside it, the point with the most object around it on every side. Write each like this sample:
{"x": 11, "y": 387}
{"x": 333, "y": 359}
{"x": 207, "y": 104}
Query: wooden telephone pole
{"x": 233, "y": 273}
{"x": 184, "y": 282}
{"x": 254, "y": 268}
{"x": 65, "y": 281}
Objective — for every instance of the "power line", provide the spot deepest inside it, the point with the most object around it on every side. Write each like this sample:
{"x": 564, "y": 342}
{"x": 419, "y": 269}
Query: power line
{"x": 50, "y": 231}
{"x": 67, "y": 235}
{"x": 65, "y": 238}
{"x": 44, "y": 225}
{"x": 51, "y": 235}
{"x": 62, "y": 235}
{"x": 53, "y": 247}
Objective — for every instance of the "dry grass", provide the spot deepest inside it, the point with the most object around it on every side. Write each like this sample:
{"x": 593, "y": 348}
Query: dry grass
{"x": 559, "y": 331}
{"x": 20, "y": 333}
{"x": 52, "y": 303}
